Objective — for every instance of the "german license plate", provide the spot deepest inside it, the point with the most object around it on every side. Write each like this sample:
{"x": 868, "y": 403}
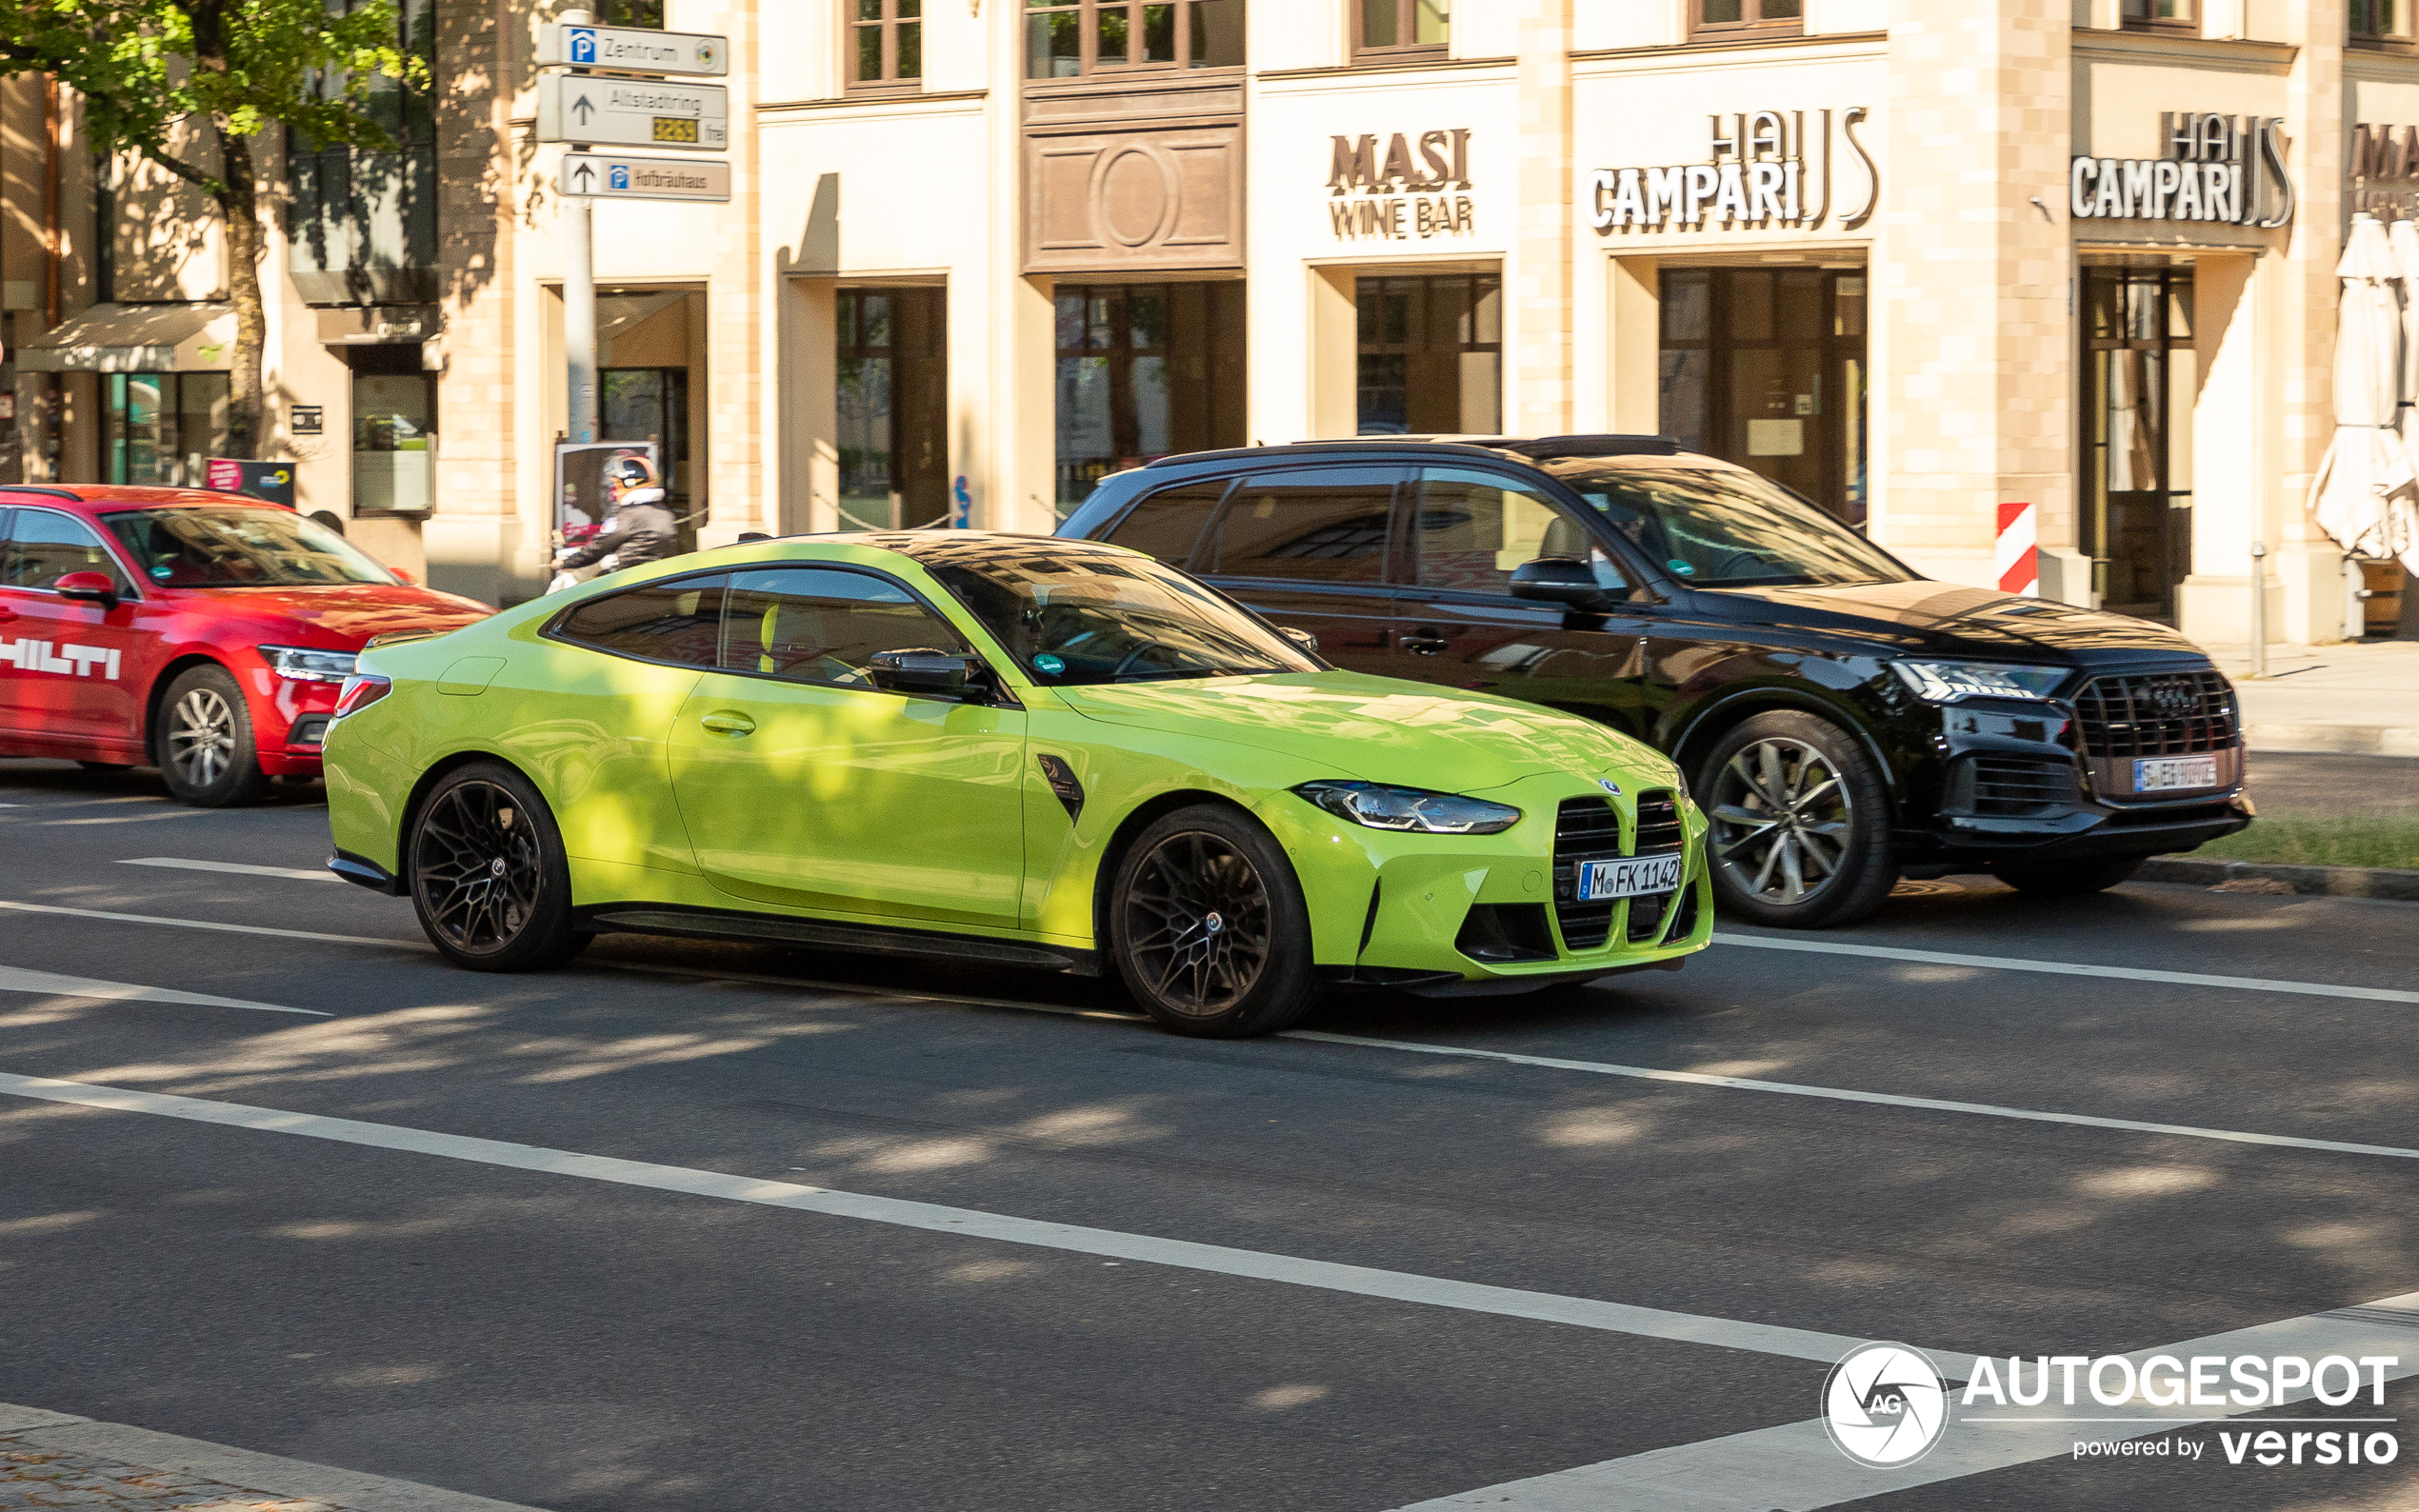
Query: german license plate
{"x": 1635, "y": 878}
{"x": 2159, "y": 774}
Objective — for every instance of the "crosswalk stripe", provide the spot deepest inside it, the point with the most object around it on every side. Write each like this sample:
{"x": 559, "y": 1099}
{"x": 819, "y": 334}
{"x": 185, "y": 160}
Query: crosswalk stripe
{"x": 2068, "y": 968}
{"x": 181, "y": 864}
{"x": 52, "y": 984}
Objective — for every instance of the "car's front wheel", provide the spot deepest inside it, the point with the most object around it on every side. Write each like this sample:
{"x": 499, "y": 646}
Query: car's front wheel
{"x": 204, "y": 743}
{"x": 489, "y": 880}
{"x": 1800, "y": 823}
{"x": 1206, "y": 921}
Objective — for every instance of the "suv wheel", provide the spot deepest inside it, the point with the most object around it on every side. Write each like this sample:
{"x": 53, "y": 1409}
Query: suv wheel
{"x": 1208, "y": 924}
{"x": 1800, "y": 836}
{"x": 205, "y": 747}
{"x": 2070, "y": 878}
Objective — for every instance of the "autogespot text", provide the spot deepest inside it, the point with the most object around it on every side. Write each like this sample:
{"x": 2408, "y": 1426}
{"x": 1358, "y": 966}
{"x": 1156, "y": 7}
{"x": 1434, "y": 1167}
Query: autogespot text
{"x": 2230, "y": 1384}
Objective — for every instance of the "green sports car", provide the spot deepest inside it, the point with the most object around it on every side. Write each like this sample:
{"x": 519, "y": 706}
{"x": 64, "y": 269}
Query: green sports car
{"x": 1002, "y": 749}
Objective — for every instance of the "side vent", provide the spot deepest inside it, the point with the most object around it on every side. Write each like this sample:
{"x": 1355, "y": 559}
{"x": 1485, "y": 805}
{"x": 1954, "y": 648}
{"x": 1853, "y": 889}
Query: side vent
{"x": 1063, "y": 783}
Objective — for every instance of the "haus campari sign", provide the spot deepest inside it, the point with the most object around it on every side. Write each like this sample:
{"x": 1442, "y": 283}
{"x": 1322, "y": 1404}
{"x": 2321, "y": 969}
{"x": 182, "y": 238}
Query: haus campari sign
{"x": 1762, "y": 170}
{"x": 2224, "y": 168}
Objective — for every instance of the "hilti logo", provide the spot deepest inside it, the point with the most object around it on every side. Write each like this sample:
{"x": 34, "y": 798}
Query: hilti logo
{"x": 75, "y": 661}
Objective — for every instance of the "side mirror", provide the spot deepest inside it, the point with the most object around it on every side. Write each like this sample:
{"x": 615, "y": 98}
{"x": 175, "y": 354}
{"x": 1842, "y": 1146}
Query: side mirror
{"x": 941, "y": 674}
{"x": 1301, "y": 638}
{"x": 88, "y": 588}
{"x": 1561, "y": 580}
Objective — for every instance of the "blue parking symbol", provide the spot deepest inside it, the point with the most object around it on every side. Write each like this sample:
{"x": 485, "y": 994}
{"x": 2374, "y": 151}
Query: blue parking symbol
{"x": 583, "y": 44}
{"x": 618, "y": 176}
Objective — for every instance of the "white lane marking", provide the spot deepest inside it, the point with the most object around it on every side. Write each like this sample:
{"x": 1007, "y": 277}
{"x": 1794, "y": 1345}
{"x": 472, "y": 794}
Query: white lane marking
{"x": 129, "y": 818}
{"x": 206, "y": 924}
{"x": 2070, "y": 969}
{"x": 1794, "y": 1467}
{"x": 1650, "y": 1322}
{"x": 51, "y": 984}
{"x": 1934, "y": 1104}
{"x": 180, "y": 863}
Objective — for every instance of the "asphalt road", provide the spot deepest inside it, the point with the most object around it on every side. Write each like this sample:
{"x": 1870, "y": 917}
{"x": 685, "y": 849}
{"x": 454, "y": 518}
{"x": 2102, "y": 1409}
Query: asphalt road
{"x": 391, "y": 1295}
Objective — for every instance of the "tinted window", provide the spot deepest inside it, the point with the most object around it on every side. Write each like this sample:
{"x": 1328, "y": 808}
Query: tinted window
{"x": 44, "y": 547}
{"x": 1322, "y": 524}
{"x": 1725, "y": 529}
{"x": 1166, "y": 523}
{"x": 679, "y": 620}
{"x": 818, "y": 625}
{"x": 239, "y": 547}
{"x": 1471, "y": 527}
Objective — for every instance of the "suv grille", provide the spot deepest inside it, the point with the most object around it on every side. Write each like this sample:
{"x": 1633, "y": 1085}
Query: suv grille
{"x": 1585, "y": 829}
{"x": 1659, "y": 833}
{"x": 2017, "y": 785}
{"x": 2157, "y": 714}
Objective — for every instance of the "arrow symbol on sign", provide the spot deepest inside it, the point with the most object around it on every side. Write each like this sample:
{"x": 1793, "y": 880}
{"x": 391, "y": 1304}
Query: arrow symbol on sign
{"x": 585, "y": 174}
{"x": 582, "y": 109}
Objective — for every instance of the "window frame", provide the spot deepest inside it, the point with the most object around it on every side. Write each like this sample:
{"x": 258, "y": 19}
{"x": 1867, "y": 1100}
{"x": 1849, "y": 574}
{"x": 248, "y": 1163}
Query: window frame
{"x": 553, "y": 628}
{"x": 1206, "y": 547}
{"x": 1586, "y": 521}
{"x": 1089, "y": 69}
{"x": 732, "y": 586}
{"x": 1755, "y": 27}
{"x": 129, "y": 586}
{"x": 2187, "y": 24}
{"x": 1406, "y": 24}
{"x": 2404, "y": 39}
{"x": 887, "y": 24}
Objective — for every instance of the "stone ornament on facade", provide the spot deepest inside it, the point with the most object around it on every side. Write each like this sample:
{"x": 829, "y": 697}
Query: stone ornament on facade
{"x": 2217, "y": 168}
{"x": 1766, "y": 169}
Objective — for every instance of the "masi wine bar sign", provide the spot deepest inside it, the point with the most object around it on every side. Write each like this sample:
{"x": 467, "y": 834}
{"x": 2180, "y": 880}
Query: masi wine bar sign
{"x": 1410, "y": 193}
{"x": 2227, "y": 169}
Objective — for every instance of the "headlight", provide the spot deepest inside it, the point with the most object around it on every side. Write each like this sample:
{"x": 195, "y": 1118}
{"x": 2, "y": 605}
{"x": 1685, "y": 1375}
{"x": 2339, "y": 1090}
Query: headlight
{"x": 1413, "y": 808}
{"x": 1951, "y": 682}
{"x": 304, "y": 664}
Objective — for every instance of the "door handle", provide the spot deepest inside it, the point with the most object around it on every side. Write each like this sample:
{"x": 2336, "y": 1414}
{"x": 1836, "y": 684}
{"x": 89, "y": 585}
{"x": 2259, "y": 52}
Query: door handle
{"x": 1423, "y": 642}
{"x": 726, "y": 723}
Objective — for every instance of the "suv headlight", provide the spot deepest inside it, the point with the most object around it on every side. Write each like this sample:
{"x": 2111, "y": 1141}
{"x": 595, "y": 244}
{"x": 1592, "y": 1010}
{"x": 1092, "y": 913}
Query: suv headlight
{"x": 305, "y": 665}
{"x": 1953, "y": 682}
{"x": 1413, "y": 809}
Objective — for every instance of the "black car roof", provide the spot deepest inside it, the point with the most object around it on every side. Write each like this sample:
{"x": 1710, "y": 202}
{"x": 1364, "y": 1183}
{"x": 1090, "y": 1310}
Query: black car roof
{"x": 1532, "y": 448}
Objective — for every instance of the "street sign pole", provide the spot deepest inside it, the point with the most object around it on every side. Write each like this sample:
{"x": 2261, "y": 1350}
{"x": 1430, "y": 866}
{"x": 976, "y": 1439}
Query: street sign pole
{"x": 579, "y": 304}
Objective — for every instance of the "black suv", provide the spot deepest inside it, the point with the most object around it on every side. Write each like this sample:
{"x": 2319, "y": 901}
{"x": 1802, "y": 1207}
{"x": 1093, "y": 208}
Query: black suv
{"x": 1843, "y": 720}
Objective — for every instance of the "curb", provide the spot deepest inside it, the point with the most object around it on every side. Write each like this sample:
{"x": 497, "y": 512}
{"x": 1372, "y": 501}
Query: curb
{"x": 2332, "y": 881}
{"x": 352, "y": 1491}
{"x": 2331, "y": 740}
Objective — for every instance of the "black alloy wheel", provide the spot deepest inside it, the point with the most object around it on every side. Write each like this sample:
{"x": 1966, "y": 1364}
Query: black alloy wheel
{"x": 204, "y": 741}
{"x": 1209, "y": 928}
{"x": 489, "y": 877}
{"x": 1800, "y": 825}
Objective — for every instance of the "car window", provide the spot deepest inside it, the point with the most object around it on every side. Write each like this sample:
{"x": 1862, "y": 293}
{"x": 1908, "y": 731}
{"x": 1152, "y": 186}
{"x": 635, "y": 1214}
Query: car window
{"x": 1726, "y": 528}
{"x": 1321, "y": 524}
{"x": 1168, "y": 523}
{"x": 44, "y": 545}
{"x": 823, "y": 625}
{"x": 1471, "y": 527}
{"x": 679, "y": 620}
{"x": 239, "y": 546}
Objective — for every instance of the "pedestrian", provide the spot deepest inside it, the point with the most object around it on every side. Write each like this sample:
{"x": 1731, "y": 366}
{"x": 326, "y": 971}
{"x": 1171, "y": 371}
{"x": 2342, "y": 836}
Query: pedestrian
{"x": 638, "y": 525}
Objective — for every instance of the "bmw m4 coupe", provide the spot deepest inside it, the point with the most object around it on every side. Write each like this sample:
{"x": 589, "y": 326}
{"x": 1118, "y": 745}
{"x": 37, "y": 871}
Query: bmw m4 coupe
{"x": 1031, "y": 751}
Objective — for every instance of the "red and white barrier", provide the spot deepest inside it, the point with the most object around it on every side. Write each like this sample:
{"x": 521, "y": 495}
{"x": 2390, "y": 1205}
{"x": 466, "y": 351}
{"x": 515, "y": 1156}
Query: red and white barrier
{"x": 2017, "y": 560}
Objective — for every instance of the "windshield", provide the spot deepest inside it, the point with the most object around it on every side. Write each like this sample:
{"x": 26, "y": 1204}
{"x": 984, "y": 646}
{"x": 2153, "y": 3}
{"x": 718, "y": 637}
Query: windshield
{"x": 1093, "y": 616}
{"x": 1724, "y": 530}
{"x": 238, "y": 548}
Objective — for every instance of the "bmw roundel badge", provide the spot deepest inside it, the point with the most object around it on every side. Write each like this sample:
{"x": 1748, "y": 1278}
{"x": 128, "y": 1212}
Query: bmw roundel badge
{"x": 1610, "y": 786}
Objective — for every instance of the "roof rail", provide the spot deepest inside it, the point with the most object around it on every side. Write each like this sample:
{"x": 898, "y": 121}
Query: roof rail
{"x": 1329, "y": 448}
{"x": 35, "y": 488}
{"x": 1606, "y": 446}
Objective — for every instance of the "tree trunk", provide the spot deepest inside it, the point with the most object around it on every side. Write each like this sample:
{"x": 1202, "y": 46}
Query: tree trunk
{"x": 240, "y": 207}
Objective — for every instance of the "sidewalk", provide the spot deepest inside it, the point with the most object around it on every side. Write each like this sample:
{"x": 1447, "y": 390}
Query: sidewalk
{"x": 2360, "y": 699}
{"x": 54, "y": 1460}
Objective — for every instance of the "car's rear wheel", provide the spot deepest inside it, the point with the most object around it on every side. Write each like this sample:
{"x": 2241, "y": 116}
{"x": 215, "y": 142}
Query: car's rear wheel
{"x": 1209, "y": 928}
{"x": 1800, "y": 836}
{"x": 205, "y": 744}
{"x": 2071, "y": 879}
{"x": 489, "y": 880}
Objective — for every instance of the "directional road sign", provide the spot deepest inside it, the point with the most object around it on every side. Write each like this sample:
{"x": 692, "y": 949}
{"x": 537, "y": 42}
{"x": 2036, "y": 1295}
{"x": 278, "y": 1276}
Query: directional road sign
{"x": 644, "y": 178}
{"x": 632, "y": 113}
{"x": 632, "y": 51}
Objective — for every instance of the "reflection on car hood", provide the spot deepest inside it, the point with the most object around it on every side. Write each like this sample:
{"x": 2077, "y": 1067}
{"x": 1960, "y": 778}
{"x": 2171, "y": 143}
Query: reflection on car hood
{"x": 1376, "y": 729}
{"x": 348, "y": 612}
{"x": 1949, "y": 617}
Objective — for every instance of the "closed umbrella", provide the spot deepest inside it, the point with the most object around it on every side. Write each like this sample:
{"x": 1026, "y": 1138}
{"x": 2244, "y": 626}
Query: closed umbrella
{"x": 2366, "y": 463}
{"x": 2402, "y": 512}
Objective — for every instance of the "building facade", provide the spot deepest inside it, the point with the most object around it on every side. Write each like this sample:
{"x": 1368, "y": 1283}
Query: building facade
{"x": 1961, "y": 272}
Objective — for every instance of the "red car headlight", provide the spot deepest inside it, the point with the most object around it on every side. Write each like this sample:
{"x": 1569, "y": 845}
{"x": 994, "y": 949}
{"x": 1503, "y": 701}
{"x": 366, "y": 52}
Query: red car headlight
{"x": 361, "y": 690}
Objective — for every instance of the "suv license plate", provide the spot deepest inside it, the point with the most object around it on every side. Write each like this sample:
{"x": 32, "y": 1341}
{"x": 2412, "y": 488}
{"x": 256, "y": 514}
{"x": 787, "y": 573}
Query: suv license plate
{"x": 2160, "y": 774}
{"x": 1600, "y": 880}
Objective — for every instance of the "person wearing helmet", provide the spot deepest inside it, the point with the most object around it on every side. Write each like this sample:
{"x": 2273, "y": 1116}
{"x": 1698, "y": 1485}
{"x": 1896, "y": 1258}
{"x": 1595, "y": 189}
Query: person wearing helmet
{"x": 638, "y": 525}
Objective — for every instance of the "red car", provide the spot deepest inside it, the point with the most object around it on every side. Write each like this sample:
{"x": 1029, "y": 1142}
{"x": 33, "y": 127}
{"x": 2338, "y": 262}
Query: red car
{"x": 199, "y": 632}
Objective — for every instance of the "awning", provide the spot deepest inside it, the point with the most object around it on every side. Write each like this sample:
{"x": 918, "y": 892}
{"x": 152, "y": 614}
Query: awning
{"x": 135, "y": 338}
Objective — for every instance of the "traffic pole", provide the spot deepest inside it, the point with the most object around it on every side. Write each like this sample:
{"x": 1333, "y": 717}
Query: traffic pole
{"x": 579, "y": 313}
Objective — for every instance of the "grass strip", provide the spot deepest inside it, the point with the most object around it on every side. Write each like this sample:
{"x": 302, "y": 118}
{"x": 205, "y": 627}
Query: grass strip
{"x": 2343, "y": 841}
